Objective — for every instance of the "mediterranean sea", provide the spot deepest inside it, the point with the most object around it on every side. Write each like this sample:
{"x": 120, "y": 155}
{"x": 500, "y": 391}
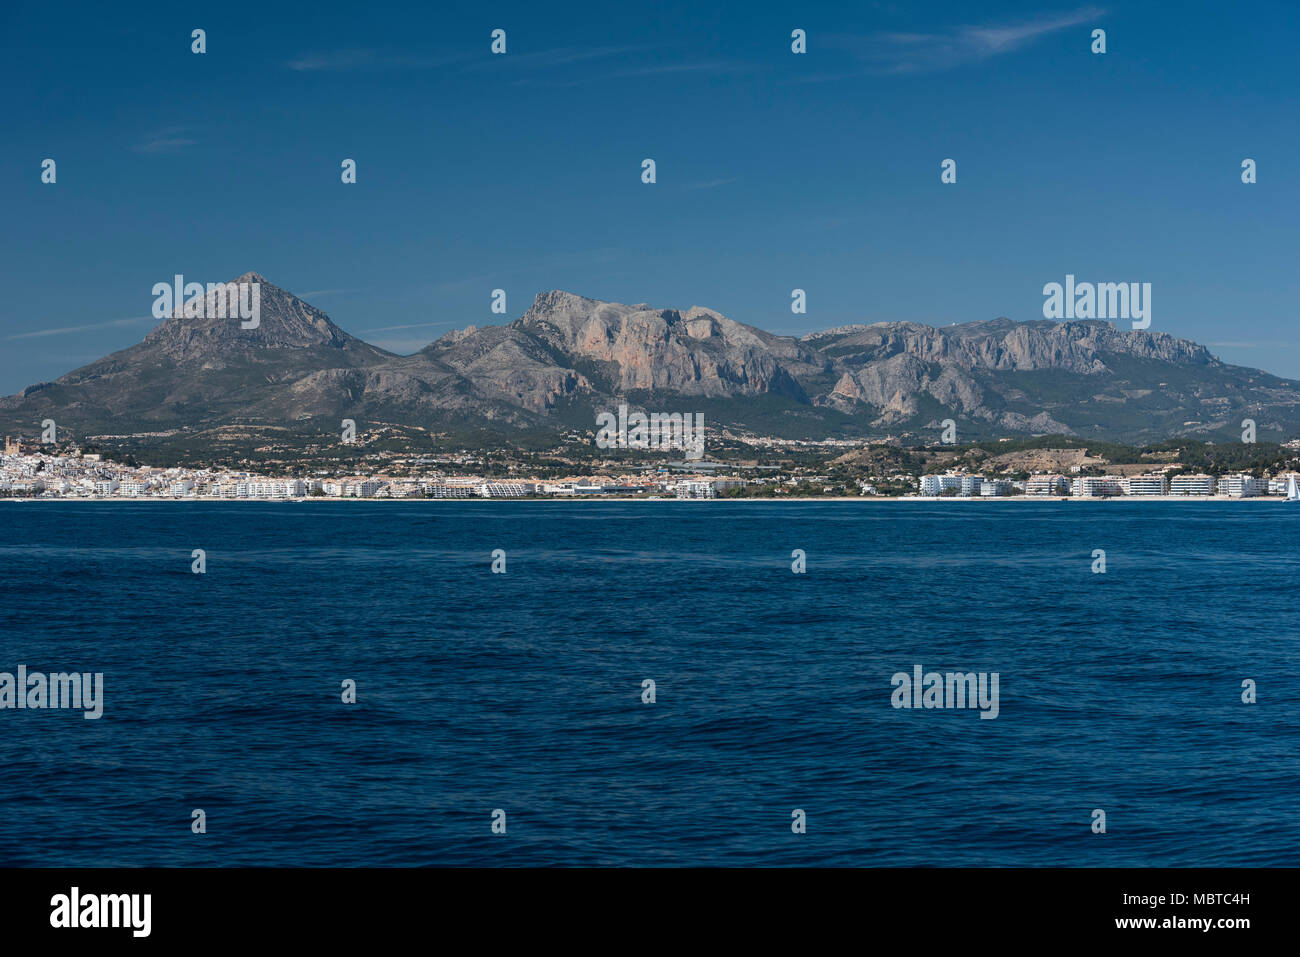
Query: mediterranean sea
{"x": 475, "y": 691}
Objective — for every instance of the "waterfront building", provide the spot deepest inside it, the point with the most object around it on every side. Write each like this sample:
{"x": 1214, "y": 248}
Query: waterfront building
{"x": 1047, "y": 485}
{"x": 505, "y": 489}
{"x": 1277, "y": 485}
{"x": 1192, "y": 485}
{"x": 448, "y": 491}
{"x": 1240, "y": 485}
{"x": 696, "y": 490}
{"x": 1097, "y": 486}
{"x": 938, "y": 484}
{"x": 1146, "y": 485}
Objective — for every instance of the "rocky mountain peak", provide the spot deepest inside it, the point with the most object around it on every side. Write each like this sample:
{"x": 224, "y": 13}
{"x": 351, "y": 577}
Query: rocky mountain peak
{"x": 249, "y": 313}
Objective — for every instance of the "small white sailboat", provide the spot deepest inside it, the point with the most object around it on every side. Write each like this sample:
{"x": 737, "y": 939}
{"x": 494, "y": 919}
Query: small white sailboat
{"x": 1292, "y": 489}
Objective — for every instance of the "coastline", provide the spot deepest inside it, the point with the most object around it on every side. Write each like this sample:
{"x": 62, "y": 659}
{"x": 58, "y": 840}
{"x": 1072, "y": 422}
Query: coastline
{"x": 1041, "y": 499}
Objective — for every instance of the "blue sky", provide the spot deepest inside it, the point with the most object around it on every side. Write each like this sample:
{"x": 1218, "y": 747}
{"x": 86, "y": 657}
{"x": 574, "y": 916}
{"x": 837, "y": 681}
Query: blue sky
{"x": 775, "y": 171}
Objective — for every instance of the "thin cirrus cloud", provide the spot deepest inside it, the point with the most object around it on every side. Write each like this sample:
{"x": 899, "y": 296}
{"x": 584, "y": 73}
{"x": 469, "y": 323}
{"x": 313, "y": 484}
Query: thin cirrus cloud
{"x": 343, "y": 61}
{"x": 65, "y": 330}
{"x": 905, "y": 53}
{"x": 318, "y": 293}
{"x": 404, "y": 345}
{"x": 715, "y": 67}
{"x": 411, "y": 325}
{"x": 1252, "y": 345}
{"x": 710, "y": 184}
{"x": 632, "y": 61}
{"x": 558, "y": 57}
{"x": 169, "y": 140}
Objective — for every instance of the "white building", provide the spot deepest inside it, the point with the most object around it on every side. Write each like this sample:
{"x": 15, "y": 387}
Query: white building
{"x": 696, "y": 490}
{"x": 1277, "y": 484}
{"x": 938, "y": 484}
{"x": 505, "y": 489}
{"x": 276, "y": 489}
{"x": 449, "y": 491}
{"x": 1239, "y": 486}
{"x": 1097, "y": 486}
{"x": 995, "y": 487}
{"x": 1192, "y": 485}
{"x": 1047, "y": 485}
{"x": 1146, "y": 485}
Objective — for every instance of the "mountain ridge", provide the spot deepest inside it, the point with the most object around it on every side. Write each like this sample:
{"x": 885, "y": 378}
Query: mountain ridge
{"x": 569, "y": 355}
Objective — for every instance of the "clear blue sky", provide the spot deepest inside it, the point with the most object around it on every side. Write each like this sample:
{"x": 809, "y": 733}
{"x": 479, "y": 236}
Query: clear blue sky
{"x": 522, "y": 171}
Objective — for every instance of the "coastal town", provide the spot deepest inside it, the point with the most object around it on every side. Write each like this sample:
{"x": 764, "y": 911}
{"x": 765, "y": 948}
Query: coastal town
{"x": 26, "y": 471}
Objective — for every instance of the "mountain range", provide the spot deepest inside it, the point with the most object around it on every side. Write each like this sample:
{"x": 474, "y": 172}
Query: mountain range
{"x": 568, "y": 357}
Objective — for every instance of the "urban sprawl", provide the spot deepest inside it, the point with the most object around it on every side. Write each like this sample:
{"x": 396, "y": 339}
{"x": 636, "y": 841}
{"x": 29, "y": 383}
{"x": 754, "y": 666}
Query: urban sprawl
{"x": 26, "y": 472}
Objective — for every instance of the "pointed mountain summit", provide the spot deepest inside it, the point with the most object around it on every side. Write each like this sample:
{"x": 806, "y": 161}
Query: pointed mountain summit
{"x": 202, "y": 368}
{"x": 283, "y": 322}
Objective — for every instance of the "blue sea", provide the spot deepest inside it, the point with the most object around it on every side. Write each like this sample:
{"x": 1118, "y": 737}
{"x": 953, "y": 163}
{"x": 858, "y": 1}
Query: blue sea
{"x": 522, "y": 691}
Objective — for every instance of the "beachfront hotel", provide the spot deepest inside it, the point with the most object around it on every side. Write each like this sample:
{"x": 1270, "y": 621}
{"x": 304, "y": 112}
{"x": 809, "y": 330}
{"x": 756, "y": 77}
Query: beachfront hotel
{"x": 1192, "y": 485}
{"x": 1047, "y": 485}
{"x": 1097, "y": 486}
{"x": 1146, "y": 485}
{"x": 938, "y": 484}
{"x": 1240, "y": 486}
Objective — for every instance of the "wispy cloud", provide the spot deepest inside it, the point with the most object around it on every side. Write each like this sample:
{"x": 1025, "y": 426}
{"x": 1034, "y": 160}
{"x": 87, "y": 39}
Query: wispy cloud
{"x": 318, "y": 293}
{"x": 710, "y": 184}
{"x": 903, "y": 53}
{"x": 716, "y": 67}
{"x": 413, "y": 325}
{"x": 170, "y": 140}
{"x": 557, "y": 57}
{"x": 528, "y": 68}
{"x": 1252, "y": 345}
{"x": 64, "y": 330}
{"x": 342, "y": 61}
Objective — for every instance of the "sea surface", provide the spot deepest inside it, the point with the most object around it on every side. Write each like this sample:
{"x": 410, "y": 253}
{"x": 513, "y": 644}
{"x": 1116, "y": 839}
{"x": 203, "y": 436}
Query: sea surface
{"x": 522, "y": 691}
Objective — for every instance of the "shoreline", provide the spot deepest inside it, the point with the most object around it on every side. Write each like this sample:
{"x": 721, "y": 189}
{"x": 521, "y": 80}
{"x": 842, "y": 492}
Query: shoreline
{"x": 1041, "y": 499}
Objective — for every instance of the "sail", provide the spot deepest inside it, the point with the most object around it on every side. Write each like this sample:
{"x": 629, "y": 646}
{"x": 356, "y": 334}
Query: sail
{"x": 1292, "y": 490}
